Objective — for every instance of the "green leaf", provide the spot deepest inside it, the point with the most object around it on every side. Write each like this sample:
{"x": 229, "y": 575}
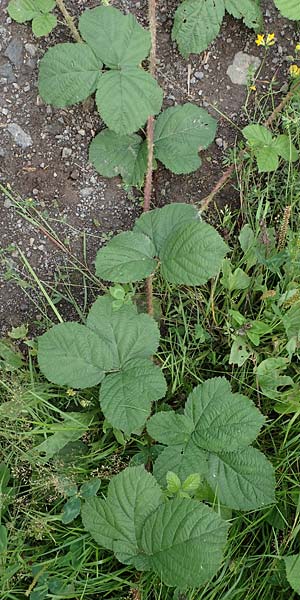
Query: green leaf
{"x": 267, "y": 159}
{"x": 182, "y": 459}
{"x": 291, "y": 322}
{"x": 159, "y": 223}
{"x": 70, "y": 354}
{"x": 72, "y": 429}
{"x": 126, "y": 258}
{"x": 269, "y": 377}
{"x": 22, "y": 10}
{"x": 239, "y": 352}
{"x": 90, "y": 488}
{"x": 191, "y": 484}
{"x": 180, "y": 133}
{"x": 222, "y": 420}
{"x": 132, "y": 335}
{"x": 115, "y": 523}
{"x": 71, "y": 510}
{"x": 125, "y": 155}
{"x": 196, "y": 24}
{"x": 10, "y": 360}
{"x": 43, "y": 24}
{"x": 173, "y": 482}
{"x": 3, "y": 539}
{"x": 292, "y": 565}
{"x": 289, "y": 9}
{"x": 285, "y": 148}
{"x": 126, "y": 397}
{"x": 117, "y": 39}
{"x": 68, "y": 74}
{"x": 248, "y": 10}
{"x": 126, "y": 98}
{"x": 45, "y": 6}
{"x": 234, "y": 280}
{"x": 257, "y": 135}
{"x": 170, "y": 428}
{"x": 242, "y": 480}
{"x": 184, "y": 540}
{"x": 186, "y": 256}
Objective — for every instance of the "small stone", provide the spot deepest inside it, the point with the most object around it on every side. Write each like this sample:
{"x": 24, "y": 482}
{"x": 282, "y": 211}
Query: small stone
{"x": 219, "y": 142}
{"x": 238, "y": 71}
{"x": 31, "y": 49}
{"x": 81, "y": 132}
{"x": 7, "y": 203}
{"x": 86, "y": 192}
{"x": 75, "y": 174}
{"x": 35, "y": 192}
{"x": 6, "y": 71}
{"x": 14, "y": 52}
{"x": 21, "y": 138}
{"x": 66, "y": 152}
{"x": 199, "y": 74}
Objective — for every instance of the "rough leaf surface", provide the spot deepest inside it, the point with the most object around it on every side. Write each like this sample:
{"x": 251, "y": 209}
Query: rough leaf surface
{"x": 126, "y": 98}
{"x": 180, "y": 133}
{"x": 70, "y": 354}
{"x": 183, "y": 459}
{"x": 184, "y": 540}
{"x": 126, "y": 397}
{"x": 289, "y": 8}
{"x": 187, "y": 257}
{"x": 196, "y": 24}
{"x": 127, "y": 257}
{"x": 248, "y": 10}
{"x": 68, "y": 73}
{"x": 43, "y": 24}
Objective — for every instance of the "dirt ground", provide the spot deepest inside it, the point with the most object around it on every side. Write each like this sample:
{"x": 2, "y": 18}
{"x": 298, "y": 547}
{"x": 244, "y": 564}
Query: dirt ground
{"x": 54, "y": 170}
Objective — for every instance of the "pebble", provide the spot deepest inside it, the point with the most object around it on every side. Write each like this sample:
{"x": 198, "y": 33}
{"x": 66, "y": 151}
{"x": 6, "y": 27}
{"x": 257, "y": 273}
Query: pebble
{"x": 74, "y": 174}
{"x": 6, "y": 71}
{"x": 31, "y": 49}
{"x": 14, "y": 52}
{"x": 7, "y": 203}
{"x": 239, "y": 69}
{"x": 21, "y": 138}
{"x": 199, "y": 74}
{"x": 219, "y": 142}
{"x": 66, "y": 152}
{"x": 86, "y": 192}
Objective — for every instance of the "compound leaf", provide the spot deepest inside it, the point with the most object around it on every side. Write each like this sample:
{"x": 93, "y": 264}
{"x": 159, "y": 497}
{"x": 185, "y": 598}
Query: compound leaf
{"x": 115, "y": 523}
{"x": 258, "y": 135}
{"x": 126, "y": 397}
{"x": 22, "y": 10}
{"x": 289, "y": 8}
{"x": 125, "y": 155}
{"x": 132, "y": 335}
{"x": 182, "y": 459}
{"x": 187, "y": 257}
{"x": 184, "y": 540}
{"x": 126, "y": 258}
{"x": 180, "y": 132}
{"x": 126, "y": 98}
{"x": 292, "y": 566}
{"x": 117, "y": 39}
{"x": 170, "y": 428}
{"x": 68, "y": 74}
{"x": 242, "y": 480}
{"x": 267, "y": 159}
{"x": 43, "y": 24}
{"x": 159, "y": 223}
{"x": 222, "y": 420}
{"x": 248, "y": 10}
{"x": 70, "y": 354}
{"x": 196, "y": 24}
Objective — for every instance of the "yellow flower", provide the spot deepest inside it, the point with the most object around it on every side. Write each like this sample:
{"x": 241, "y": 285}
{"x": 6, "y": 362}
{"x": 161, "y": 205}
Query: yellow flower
{"x": 260, "y": 40}
{"x": 294, "y": 71}
{"x": 270, "y": 39}
{"x": 297, "y": 47}
{"x": 71, "y": 392}
{"x": 253, "y": 88}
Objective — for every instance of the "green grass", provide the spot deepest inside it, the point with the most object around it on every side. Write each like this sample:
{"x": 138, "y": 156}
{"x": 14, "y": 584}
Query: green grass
{"x": 48, "y": 559}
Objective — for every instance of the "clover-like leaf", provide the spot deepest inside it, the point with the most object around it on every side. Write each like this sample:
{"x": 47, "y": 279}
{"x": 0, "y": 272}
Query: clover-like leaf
{"x": 126, "y": 98}
{"x": 196, "y": 24}
{"x": 43, "y": 24}
{"x": 159, "y": 223}
{"x": 132, "y": 335}
{"x": 180, "y": 133}
{"x": 187, "y": 257}
{"x": 70, "y": 354}
{"x": 26, "y": 10}
{"x": 125, "y": 155}
{"x": 126, "y": 397}
{"x": 289, "y": 9}
{"x": 127, "y": 257}
{"x": 222, "y": 420}
{"x": 117, "y": 39}
{"x": 116, "y": 523}
{"x": 68, "y": 74}
{"x": 242, "y": 480}
{"x": 184, "y": 540}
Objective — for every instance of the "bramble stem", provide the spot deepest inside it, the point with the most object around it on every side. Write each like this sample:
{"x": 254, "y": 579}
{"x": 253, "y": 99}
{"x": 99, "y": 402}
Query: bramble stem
{"x": 69, "y": 20}
{"x": 229, "y": 172}
{"x": 150, "y": 141}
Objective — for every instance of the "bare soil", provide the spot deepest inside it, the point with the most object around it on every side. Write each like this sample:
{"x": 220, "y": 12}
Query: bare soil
{"x": 55, "y": 172}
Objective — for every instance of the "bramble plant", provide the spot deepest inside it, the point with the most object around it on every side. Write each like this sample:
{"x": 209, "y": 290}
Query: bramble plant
{"x": 289, "y": 9}
{"x": 37, "y": 11}
{"x": 268, "y": 149}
